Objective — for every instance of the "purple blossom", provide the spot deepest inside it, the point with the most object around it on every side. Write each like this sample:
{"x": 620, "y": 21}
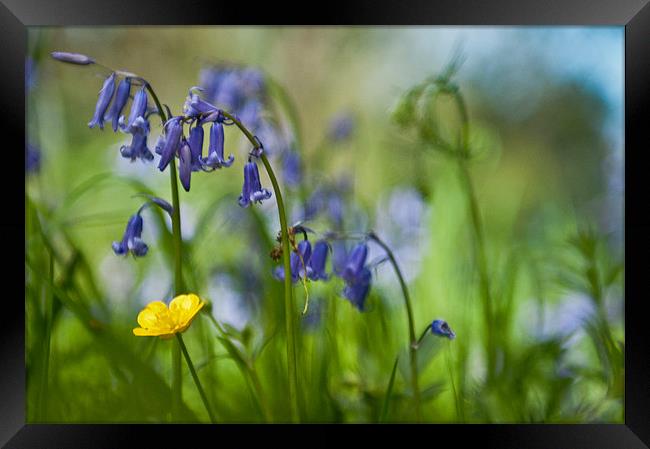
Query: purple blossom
{"x": 196, "y": 146}
{"x": 442, "y": 329}
{"x": 318, "y": 261}
{"x": 215, "y": 157}
{"x": 72, "y": 58}
{"x": 299, "y": 262}
{"x": 131, "y": 240}
{"x": 185, "y": 165}
{"x": 357, "y": 276}
{"x": 172, "y": 140}
{"x": 103, "y": 100}
{"x": 252, "y": 190}
{"x": 138, "y": 109}
{"x": 121, "y": 98}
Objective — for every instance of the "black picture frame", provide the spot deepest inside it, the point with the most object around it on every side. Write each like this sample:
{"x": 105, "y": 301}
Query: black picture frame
{"x": 634, "y": 15}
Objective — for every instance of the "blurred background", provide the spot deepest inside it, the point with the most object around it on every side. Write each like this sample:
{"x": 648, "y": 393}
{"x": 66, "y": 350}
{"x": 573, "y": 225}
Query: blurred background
{"x": 545, "y": 108}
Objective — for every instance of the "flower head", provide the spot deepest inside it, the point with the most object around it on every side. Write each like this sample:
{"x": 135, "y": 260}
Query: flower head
{"x": 72, "y": 58}
{"x": 341, "y": 127}
{"x": 215, "y": 157}
{"x": 157, "y": 320}
{"x": 185, "y": 164}
{"x": 252, "y": 190}
{"x": 196, "y": 146}
{"x": 131, "y": 240}
{"x": 138, "y": 109}
{"x": 357, "y": 276}
{"x": 121, "y": 98}
{"x": 299, "y": 261}
{"x": 442, "y": 329}
{"x": 318, "y": 261}
{"x": 138, "y": 148}
{"x": 171, "y": 142}
{"x": 103, "y": 100}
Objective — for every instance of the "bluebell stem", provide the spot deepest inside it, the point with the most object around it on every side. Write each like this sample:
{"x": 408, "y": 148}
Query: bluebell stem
{"x": 121, "y": 98}
{"x": 196, "y": 146}
{"x": 357, "y": 276}
{"x": 172, "y": 140}
{"x": 252, "y": 190}
{"x": 442, "y": 329}
{"x": 138, "y": 109}
{"x": 103, "y": 100}
{"x": 132, "y": 241}
{"x": 215, "y": 157}
{"x": 185, "y": 164}
{"x": 318, "y": 261}
{"x": 72, "y": 58}
{"x": 300, "y": 267}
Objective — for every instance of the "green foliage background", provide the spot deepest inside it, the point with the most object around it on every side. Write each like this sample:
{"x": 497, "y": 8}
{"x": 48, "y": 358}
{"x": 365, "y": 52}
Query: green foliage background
{"x": 552, "y": 232}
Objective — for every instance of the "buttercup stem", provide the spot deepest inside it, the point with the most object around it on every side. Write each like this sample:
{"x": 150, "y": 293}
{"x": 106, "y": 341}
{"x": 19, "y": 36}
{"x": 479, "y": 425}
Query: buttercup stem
{"x": 289, "y": 312}
{"x": 409, "y": 312}
{"x": 197, "y": 382}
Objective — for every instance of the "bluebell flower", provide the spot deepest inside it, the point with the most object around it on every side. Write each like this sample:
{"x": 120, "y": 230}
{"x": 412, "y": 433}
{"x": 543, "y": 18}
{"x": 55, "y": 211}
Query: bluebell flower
{"x": 132, "y": 241}
{"x": 121, "y": 98}
{"x": 195, "y": 106}
{"x": 442, "y": 329}
{"x": 341, "y": 127}
{"x": 138, "y": 109}
{"x": 138, "y": 148}
{"x": 32, "y": 159}
{"x": 357, "y": 276}
{"x": 196, "y": 146}
{"x": 299, "y": 262}
{"x": 172, "y": 140}
{"x": 252, "y": 190}
{"x": 291, "y": 168}
{"x": 318, "y": 261}
{"x": 103, "y": 100}
{"x": 185, "y": 164}
{"x": 72, "y": 58}
{"x": 215, "y": 150}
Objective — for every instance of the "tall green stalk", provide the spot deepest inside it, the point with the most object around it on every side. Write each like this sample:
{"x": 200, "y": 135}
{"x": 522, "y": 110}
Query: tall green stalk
{"x": 195, "y": 377}
{"x": 479, "y": 239}
{"x": 179, "y": 284}
{"x": 289, "y": 307}
{"x": 411, "y": 325}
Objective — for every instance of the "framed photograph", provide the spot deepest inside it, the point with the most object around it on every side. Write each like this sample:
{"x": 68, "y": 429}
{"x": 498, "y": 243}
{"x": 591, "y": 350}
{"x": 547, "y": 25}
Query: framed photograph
{"x": 401, "y": 215}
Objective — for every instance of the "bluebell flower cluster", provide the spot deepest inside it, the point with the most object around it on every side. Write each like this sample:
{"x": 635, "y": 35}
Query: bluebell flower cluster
{"x": 244, "y": 92}
{"x": 111, "y": 102}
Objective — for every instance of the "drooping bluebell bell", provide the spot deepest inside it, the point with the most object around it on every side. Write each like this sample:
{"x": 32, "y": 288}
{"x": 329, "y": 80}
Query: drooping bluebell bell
{"x": 72, "y": 58}
{"x": 442, "y": 329}
{"x": 185, "y": 164}
{"x": 131, "y": 240}
{"x": 215, "y": 157}
{"x": 121, "y": 98}
{"x": 196, "y": 146}
{"x": 137, "y": 149}
{"x": 252, "y": 190}
{"x": 138, "y": 109}
{"x": 357, "y": 276}
{"x": 318, "y": 261}
{"x": 103, "y": 100}
{"x": 299, "y": 262}
{"x": 172, "y": 140}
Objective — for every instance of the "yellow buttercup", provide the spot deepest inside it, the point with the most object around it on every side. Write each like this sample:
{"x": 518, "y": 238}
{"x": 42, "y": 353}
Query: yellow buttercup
{"x": 157, "y": 320}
